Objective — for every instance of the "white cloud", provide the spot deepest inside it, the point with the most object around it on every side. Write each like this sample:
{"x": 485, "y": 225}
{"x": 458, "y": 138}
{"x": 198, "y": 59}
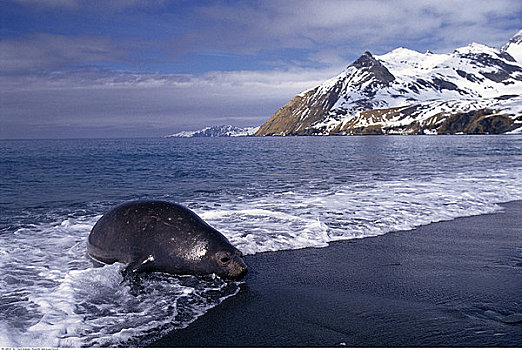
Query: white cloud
{"x": 91, "y": 5}
{"x": 358, "y": 25}
{"x": 42, "y": 51}
{"x": 155, "y": 104}
{"x": 265, "y": 83}
{"x": 49, "y": 3}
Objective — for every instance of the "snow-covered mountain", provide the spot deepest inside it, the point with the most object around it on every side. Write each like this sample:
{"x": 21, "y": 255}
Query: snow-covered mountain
{"x": 218, "y": 131}
{"x": 514, "y": 47}
{"x": 474, "y": 90}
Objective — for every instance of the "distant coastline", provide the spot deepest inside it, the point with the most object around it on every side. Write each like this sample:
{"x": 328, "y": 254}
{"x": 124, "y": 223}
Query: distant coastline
{"x": 218, "y": 131}
{"x": 213, "y": 131}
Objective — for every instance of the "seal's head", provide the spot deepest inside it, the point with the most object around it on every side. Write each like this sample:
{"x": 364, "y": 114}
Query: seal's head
{"x": 204, "y": 255}
{"x": 229, "y": 264}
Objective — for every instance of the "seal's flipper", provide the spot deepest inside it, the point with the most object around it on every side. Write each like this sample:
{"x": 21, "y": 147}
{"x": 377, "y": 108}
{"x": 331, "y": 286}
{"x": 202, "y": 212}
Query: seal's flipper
{"x": 133, "y": 272}
{"x": 140, "y": 266}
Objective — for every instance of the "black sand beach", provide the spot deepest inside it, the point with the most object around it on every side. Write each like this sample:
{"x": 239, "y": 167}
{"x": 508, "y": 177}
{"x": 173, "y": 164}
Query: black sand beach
{"x": 454, "y": 283}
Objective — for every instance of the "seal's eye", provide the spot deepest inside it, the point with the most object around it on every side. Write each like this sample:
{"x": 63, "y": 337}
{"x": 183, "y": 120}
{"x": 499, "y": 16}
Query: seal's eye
{"x": 224, "y": 259}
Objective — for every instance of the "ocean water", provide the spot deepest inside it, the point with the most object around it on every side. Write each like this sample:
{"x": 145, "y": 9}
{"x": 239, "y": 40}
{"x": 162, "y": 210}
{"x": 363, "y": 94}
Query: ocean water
{"x": 264, "y": 194}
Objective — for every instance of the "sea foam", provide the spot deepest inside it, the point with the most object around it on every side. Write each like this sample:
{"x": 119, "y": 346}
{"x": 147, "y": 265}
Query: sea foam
{"x": 295, "y": 220}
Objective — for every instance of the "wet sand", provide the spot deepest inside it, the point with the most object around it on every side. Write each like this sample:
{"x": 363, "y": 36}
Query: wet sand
{"x": 454, "y": 283}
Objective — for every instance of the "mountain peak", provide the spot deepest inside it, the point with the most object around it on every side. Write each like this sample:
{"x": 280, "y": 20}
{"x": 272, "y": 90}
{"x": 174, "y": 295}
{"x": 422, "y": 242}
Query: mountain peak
{"x": 366, "y": 60}
{"x": 402, "y": 51}
{"x": 517, "y": 36}
{"x": 514, "y": 47}
{"x": 475, "y": 48}
{"x": 368, "y": 63}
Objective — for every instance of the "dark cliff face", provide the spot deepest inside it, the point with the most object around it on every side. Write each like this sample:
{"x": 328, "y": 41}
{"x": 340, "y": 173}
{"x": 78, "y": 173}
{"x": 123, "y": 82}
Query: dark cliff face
{"x": 300, "y": 113}
{"x": 478, "y": 122}
{"x": 285, "y": 120}
{"x": 502, "y": 70}
{"x": 483, "y": 121}
{"x": 377, "y": 72}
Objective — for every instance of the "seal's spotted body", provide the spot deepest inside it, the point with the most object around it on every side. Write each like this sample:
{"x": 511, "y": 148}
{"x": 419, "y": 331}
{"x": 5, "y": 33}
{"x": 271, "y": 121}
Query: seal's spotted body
{"x": 163, "y": 236}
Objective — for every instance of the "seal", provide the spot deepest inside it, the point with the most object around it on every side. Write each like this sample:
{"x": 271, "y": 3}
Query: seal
{"x": 165, "y": 237}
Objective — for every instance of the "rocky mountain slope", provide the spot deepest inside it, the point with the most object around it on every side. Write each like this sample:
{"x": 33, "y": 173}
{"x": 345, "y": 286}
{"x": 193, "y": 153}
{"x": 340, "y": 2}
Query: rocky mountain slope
{"x": 218, "y": 131}
{"x": 474, "y": 90}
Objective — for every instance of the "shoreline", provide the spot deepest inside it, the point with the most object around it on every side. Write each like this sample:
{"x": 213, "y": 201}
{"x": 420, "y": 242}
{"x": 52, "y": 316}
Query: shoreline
{"x": 450, "y": 283}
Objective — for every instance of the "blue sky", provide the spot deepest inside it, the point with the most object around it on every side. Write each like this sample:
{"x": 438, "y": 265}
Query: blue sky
{"x": 126, "y": 68}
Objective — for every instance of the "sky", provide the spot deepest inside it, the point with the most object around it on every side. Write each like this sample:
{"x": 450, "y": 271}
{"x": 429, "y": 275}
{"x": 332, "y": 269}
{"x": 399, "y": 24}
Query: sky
{"x": 134, "y": 68}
